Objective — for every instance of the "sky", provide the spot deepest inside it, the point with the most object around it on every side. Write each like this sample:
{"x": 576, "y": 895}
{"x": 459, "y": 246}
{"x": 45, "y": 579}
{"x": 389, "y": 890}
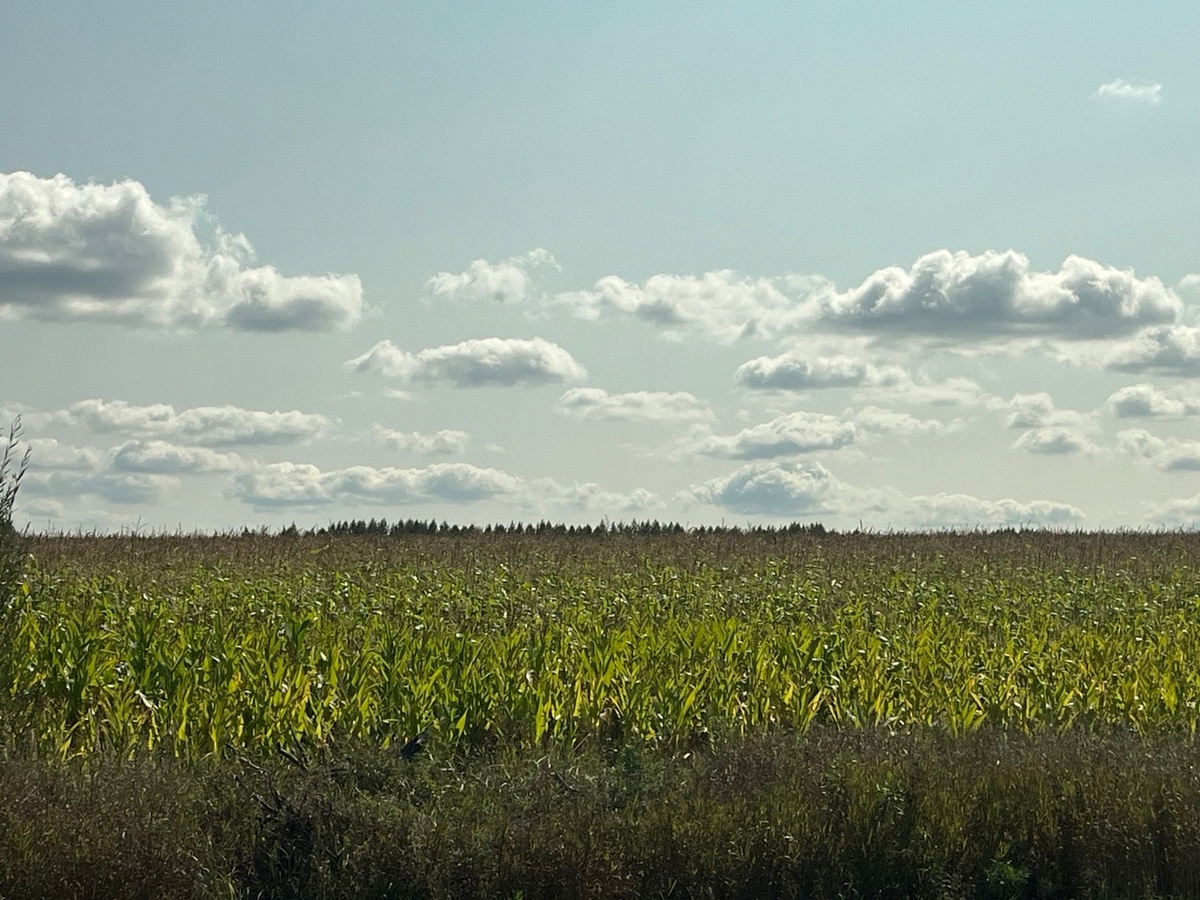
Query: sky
{"x": 897, "y": 266}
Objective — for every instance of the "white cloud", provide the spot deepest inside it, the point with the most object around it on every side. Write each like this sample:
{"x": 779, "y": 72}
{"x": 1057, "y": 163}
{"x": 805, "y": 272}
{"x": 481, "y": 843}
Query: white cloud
{"x": 446, "y": 442}
{"x": 1171, "y": 349}
{"x": 205, "y": 425}
{"x": 1029, "y": 410}
{"x": 963, "y": 511}
{"x": 48, "y": 453}
{"x": 475, "y": 363}
{"x": 590, "y": 498}
{"x": 1054, "y": 441}
{"x": 990, "y": 298}
{"x": 991, "y": 294}
{"x": 51, "y": 510}
{"x": 504, "y": 282}
{"x": 807, "y": 490}
{"x": 787, "y": 435}
{"x": 1188, "y": 287}
{"x": 159, "y": 457}
{"x": 922, "y": 390}
{"x": 1180, "y": 513}
{"x": 1146, "y": 401}
{"x": 448, "y": 482}
{"x": 721, "y": 304}
{"x": 122, "y": 488}
{"x": 298, "y": 484}
{"x": 108, "y": 253}
{"x": 773, "y": 489}
{"x": 1120, "y": 89}
{"x": 1169, "y": 455}
{"x": 638, "y": 406}
{"x": 888, "y": 421}
{"x": 798, "y": 371}
{"x": 1038, "y": 411}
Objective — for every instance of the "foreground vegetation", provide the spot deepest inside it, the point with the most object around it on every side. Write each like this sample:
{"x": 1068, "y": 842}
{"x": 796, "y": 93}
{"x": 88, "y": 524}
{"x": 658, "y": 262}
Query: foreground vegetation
{"x": 674, "y": 714}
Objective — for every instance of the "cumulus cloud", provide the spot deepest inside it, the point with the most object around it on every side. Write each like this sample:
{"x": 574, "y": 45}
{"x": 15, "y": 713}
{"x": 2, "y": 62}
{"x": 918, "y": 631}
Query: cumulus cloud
{"x": 508, "y": 281}
{"x": 787, "y": 435}
{"x": 922, "y": 390}
{"x": 1145, "y": 401}
{"x": 798, "y": 371}
{"x": 446, "y": 442}
{"x": 48, "y": 453}
{"x": 1038, "y": 411}
{"x": 1119, "y": 89}
{"x": 298, "y": 484}
{"x": 204, "y": 425}
{"x": 301, "y": 484}
{"x": 1167, "y": 455}
{"x": 135, "y": 472}
{"x": 1188, "y": 287}
{"x": 1054, "y": 441}
{"x": 804, "y": 490}
{"x": 957, "y": 294}
{"x": 591, "y": 497}
{"x": 115, "y": 487}
{"x": 108, "y": 253}
{"x": 995, "y": 298}
{"x": 1029, "y": 410}
{"x": 875, "y": 419}
{"x": 1183, "y": 512}
{"x": 770, "y": 488}
{"x": 964, "y": 511}
{"x": 1170, "y": 349}
{"x": 476, "y": 363}
{"x": 159, "y": 457}
{"x": 590, "y": 404}
{"x": 721, "y": 304}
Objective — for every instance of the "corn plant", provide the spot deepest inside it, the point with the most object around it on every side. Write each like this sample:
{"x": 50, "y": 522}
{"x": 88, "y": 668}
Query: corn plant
{"x": 529, "y": 644}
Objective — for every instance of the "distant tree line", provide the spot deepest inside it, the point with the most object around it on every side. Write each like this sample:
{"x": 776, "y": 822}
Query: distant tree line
{"x": 649, "y": 527}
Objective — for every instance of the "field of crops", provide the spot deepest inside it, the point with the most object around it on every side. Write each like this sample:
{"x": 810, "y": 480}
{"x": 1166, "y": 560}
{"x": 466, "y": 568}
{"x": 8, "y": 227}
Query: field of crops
{"x": 606, "y": 715}
{"x": 200, "y": 644}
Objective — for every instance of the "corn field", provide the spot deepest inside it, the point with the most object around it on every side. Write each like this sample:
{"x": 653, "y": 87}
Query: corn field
{"x": 199, "y": 645}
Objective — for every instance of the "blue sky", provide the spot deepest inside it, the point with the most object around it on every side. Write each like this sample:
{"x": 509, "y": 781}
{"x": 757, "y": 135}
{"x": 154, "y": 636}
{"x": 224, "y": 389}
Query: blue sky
{"x": 919, "y": 265}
